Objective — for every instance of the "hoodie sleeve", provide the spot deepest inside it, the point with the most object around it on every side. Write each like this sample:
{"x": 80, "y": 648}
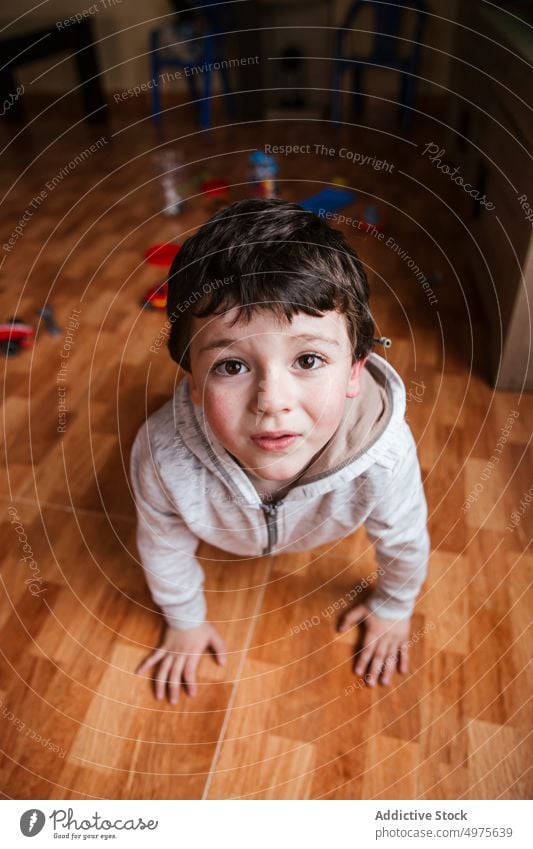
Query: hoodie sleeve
{"x": 166, "y": 545}
{"x": 397, "y": 526}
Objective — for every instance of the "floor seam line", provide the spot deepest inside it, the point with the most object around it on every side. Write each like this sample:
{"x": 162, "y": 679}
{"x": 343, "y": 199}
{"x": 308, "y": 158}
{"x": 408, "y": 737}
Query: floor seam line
{"x": 53, "y": 506}
{"x": 229, "y": 708}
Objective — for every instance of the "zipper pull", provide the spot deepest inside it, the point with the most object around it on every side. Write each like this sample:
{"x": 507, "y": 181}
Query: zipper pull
{"x": 270, "y": 511}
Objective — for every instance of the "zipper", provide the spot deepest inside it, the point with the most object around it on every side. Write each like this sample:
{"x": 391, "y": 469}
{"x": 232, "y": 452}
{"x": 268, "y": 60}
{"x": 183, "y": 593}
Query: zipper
{"x": 270, "y": 511}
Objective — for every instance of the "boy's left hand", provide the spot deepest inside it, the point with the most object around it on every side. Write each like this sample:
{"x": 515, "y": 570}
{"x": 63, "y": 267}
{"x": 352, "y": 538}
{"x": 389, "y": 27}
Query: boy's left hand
{"x": 385, "y": 644}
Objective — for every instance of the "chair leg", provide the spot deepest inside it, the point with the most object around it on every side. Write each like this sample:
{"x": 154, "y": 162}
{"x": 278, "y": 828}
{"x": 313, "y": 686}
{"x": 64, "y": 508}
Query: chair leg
{"x": 228, "y": 94}
{"x": 193, "y": 91}
{"x": 357, "y": 97}
{"x": 155, "y": 95}
{"x": 336, "y": 94}
{"x": 406, "y": 99}
{"x": 205, "y": 103}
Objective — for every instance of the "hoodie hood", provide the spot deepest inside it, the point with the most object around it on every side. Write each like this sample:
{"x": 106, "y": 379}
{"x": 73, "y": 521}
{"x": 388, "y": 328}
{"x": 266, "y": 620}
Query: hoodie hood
{"x": 364, "y": 418}
{"x": 364, "y": 435}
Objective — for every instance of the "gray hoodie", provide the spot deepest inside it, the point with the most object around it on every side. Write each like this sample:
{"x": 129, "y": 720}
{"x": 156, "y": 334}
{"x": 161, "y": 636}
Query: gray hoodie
{"x": 188, "y": 488}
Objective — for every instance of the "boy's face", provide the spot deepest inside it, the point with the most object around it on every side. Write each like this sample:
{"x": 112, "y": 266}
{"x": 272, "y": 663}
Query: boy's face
{"x": 258, "y": 380}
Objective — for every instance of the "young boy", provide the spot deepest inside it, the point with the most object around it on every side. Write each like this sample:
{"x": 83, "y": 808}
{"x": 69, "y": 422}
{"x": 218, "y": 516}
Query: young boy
{"x": 287, "y": 432}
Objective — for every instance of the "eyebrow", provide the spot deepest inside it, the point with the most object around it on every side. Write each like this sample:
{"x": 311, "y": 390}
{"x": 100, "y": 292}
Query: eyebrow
{"x": 226, "y": 342}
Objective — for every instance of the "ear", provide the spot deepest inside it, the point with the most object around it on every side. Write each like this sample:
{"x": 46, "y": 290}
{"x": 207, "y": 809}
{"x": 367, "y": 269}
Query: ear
{"x": 354, "y": 383}
{"x": 194, "y": 392}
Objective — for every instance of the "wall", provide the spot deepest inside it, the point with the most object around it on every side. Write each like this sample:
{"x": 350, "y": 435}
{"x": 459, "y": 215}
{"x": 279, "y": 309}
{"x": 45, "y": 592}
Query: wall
{"x": 120, "y": 28}
{"x": 122, "y": 31}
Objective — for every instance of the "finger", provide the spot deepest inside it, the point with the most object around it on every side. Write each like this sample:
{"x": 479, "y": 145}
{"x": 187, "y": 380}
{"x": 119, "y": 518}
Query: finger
{"x": 375, "y": 668}
{"x": 151, "y": 661}
{"x": 364, "y": 658}
{"x": 174, "y": 680}
{"x": 219, "y": 647}
{"x": 404, "y": 658}
{"x": 162, "y": 675}
{"x": 189, "y": 674}
{"x": 391, "y": 661}
{"x": 353, "y": 617}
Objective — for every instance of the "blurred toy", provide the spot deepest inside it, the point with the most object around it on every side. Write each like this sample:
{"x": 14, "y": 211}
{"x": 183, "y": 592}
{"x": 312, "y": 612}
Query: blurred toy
{"x": 218, "y": 191}
{"x": 263, "y": 173}
{"x": 173, "y": 200}
{"x": 371, "y": 219}
{"x": 329, "y": 200}
{"x": 156, "y": 297}
{"x": 47, "y": 315}
{"x": 161, "y": 253}
{"x": 166, "y": 163}
{"x": 14, "y": 335}
{"x": 200, "y": 178}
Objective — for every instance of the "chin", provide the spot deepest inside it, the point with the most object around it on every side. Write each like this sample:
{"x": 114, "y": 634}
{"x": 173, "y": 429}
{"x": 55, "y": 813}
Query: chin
{"x": 280, "y": 471}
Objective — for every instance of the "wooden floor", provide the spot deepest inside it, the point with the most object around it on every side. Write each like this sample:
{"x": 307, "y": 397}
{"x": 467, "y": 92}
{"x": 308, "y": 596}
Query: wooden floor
{"x": 286, "y": 719}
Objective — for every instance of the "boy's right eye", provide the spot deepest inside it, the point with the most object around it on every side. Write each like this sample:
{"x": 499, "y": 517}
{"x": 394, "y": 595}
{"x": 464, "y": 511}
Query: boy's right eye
{"x": 226, "y": 368}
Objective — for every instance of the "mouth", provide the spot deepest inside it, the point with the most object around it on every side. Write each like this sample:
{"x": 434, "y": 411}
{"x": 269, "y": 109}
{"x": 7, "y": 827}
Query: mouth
{"x": 277, "y": 440}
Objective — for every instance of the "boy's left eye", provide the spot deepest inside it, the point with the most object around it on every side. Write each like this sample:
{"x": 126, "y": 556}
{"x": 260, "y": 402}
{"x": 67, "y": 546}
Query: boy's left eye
{"x": 228, "y": 368}
{"x": 307, "y": 365}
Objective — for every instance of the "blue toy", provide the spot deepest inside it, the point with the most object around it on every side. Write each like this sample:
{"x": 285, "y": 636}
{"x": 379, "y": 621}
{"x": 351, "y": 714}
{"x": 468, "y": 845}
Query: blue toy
{"x": 264, "y": 165}
{"x": 329, "y": 200}
{"x": 263, "y": 171}
{"x": 372, "y": 219}
{"x": 47, "y": 315}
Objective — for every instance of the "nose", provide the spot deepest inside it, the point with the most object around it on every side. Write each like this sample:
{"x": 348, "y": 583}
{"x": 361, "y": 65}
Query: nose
{"x": 272, "y": 395}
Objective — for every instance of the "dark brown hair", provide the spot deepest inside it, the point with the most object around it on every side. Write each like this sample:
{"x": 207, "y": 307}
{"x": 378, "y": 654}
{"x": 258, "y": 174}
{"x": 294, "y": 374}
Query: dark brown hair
{"x": 266, "y": 254}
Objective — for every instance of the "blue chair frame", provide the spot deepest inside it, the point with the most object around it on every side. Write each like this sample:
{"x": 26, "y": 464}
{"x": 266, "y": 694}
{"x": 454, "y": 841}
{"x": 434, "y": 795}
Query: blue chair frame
{"x": 388, "y": 18}
{"x": 211, "y": 42}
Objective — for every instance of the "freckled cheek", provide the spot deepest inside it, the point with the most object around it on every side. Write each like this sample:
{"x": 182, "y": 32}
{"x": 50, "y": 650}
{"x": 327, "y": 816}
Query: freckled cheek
{"x": 223, "y": 411}
{"x": 326, "y": 418}
{"x": 326, "y": 408}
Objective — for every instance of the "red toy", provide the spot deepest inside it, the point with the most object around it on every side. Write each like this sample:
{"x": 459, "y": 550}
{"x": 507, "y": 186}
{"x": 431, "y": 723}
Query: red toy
{"x": 162, "y": 253}
{"x": 215, "y": 187}
{"x": 14, "y": 335}
{"x": 156, "y": 297}
{"x": 218, "y": 191}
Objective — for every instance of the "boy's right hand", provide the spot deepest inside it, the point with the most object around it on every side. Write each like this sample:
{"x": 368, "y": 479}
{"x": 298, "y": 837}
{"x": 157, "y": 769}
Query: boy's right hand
{"x": 180, "y": 654}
